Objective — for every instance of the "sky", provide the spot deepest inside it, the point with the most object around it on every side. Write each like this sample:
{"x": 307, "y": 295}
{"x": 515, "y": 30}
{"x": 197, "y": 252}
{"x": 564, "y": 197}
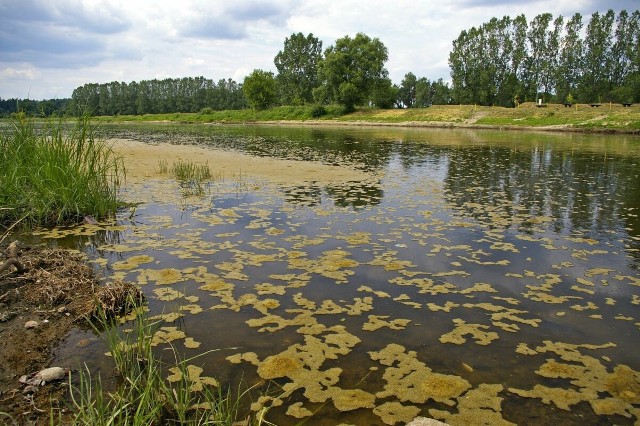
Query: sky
{"x": 50, "y": 47}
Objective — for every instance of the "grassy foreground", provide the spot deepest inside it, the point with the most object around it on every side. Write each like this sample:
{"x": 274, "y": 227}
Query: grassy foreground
{"x": 581, "y": 117}
{"x": 53, "y": 175}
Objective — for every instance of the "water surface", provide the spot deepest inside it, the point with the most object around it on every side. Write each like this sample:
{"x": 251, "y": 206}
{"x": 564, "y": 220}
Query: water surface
{"x": 472, "y": 275}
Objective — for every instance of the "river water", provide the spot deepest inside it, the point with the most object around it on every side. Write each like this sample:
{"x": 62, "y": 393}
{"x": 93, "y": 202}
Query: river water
{"x": 469, "y": 276}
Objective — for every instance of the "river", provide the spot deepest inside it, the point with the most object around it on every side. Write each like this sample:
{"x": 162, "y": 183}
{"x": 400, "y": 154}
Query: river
{"x": 461, "y": 275}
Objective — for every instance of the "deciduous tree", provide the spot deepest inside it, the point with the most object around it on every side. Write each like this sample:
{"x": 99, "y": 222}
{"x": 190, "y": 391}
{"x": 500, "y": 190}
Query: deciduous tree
{"x": 351, "y": 69}
{"x": 297, "y": 65}
{"x": 260, "y": 89}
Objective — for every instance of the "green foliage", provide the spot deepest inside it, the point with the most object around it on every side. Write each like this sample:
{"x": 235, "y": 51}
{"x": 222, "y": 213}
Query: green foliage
{"x": 318, "y": 111}
{"x": 54, "y": 175}
{"x": 297, "y": 66}
{"x": 384, "y": 94}
{"x": 188, "y": 94}
{"x": 509, "y": 58}
{"x": 350, "y": 70}
{"x": 407, "y": 91}
{"x": 260, "y": 89}
{"x": 33, "y": 108}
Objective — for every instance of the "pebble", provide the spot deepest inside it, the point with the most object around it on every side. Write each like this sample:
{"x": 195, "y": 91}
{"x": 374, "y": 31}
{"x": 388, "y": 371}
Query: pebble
{"x": 31, "y": 324}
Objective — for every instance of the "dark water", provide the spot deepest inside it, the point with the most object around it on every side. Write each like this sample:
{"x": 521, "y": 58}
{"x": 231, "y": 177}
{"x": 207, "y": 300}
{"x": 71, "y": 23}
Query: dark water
{"x": 474, "y": 277}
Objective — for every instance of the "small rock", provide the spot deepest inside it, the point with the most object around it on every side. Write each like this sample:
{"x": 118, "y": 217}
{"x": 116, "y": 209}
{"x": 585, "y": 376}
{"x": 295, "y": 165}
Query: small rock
{"x": 31, "y": 324}
{"x": 44, "y": 376}
{"x": 89, "y": 220}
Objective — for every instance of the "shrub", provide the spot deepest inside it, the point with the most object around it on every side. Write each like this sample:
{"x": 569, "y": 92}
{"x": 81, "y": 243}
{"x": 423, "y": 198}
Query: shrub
{"x": 318, "y": 111}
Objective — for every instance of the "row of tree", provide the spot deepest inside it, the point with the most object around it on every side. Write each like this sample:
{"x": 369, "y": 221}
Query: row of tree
{"x": 44, "y": 108}
{"x": 187, "y": 94}
{"x": 506, "y": 61}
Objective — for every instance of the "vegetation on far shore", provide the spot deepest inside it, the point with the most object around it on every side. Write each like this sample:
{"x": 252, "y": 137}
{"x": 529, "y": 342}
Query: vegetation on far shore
{"x": 579, "y": 117}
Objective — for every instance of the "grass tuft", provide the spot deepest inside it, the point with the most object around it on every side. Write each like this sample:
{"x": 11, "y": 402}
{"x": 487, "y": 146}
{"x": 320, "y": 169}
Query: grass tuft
{"x": 53, "y": 175}
{"x": 144, "y": 396}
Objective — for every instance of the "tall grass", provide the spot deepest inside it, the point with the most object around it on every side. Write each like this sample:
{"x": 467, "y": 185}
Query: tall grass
{"x": 54, "y": 175}
{"x": 144, "y": 396}
{"x": 191, "y": 176}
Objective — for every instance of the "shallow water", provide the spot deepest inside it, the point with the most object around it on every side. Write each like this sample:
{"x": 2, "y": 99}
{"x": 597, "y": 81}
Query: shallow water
{"x": 473, "y": 275}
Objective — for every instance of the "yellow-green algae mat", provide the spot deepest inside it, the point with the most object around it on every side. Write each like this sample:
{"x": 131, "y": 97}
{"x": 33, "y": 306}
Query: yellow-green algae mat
{"x": 394, "y": 314}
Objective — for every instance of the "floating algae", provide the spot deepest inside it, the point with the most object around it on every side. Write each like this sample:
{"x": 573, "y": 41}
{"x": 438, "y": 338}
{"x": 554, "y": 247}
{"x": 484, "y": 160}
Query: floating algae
{"x": 480, "y": 406}
{"x": 298, "y": 411}
{"x": 301, "y": 364}
{"x": 379, "y": 321}
{"x": 433, "y": 245}
{"x": 394, "y": 412}
{"x": 167, "y": 335}
{"x": 197, "y": 382}
{"x": 410, "y": 380}
{"x": 132, "y": 262}
{"x": 589, "y": 376}
{"x": 456, "y": 336}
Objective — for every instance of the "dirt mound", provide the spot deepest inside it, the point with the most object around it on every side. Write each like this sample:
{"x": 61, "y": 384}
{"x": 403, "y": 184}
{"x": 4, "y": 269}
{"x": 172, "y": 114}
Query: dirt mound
{"x": 43, "y": 296}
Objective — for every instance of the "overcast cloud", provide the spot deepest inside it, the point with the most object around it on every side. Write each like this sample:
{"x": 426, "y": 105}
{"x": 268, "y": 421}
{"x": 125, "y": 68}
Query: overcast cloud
{"x": 47, "y": 48}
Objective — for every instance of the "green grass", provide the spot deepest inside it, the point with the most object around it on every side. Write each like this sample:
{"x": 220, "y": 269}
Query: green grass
{"x": 144, "y": 396}
{"x": 187, "y": 171}
{"x": 191, "y": 176}
{"x": 55, "y": 175}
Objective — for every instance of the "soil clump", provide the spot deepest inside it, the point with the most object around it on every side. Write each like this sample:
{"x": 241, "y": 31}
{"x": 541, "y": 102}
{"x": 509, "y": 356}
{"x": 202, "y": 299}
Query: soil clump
{"x": 46, "y": 294}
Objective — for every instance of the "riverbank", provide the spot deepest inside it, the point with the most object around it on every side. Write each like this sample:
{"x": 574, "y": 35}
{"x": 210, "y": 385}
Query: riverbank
{"x": 587, "y": 118}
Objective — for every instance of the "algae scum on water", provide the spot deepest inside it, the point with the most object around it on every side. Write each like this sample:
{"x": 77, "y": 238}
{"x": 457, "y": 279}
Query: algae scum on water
{"x": 463, "y": 280}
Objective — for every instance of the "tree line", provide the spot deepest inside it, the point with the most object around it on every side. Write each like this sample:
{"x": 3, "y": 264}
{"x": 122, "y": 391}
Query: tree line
{"x": 188, "y": 94}
{"x": 351, "y": 72}
{"x": 502, "y": 62}
{"x": 507, "y": 61}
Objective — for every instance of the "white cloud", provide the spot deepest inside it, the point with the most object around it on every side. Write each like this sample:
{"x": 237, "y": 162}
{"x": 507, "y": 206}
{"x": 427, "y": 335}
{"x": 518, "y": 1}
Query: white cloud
{"x": 49, "y": 48}
{"x": 26, "y": 73}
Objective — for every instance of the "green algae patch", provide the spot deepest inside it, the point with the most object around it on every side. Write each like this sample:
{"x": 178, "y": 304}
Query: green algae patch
{"x": 298, "y": 411}
{"x": 167, "y": 335}
{"x": 352, "y": 399}
{"x": 410, "y": 380}
{"x": 477, "y": 332}
{"x": 376, "y": 322}
{"x": 132, "y": 262}
{"x": 161, "y": 276}
{"x": 300, "y": 366}
{"x": 392, "y": 413}
{"x": 609, "y": 393}
{"x": 478, "y": 406}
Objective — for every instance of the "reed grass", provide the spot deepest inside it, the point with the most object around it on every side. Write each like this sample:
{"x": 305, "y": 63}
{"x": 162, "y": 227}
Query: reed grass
{"x": 56, "y": 175}
{"x": 192, "y": 176}
{"x": 187, "y": 171}
{"x": 144, "y": 396}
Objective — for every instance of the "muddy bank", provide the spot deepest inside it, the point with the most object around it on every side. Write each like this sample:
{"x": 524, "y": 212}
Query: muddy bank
{"x": 56, "y": 292}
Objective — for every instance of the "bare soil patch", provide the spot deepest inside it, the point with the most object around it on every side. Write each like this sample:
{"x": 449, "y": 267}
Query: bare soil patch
{"x": 56, "y": 292}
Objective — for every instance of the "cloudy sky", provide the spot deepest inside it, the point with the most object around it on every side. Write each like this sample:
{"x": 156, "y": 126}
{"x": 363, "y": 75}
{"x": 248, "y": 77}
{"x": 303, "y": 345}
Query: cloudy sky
{"x": 49, "y": 47}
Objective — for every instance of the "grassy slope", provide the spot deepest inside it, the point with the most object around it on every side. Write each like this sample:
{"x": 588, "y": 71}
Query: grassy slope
{"x": 578, "y": 117}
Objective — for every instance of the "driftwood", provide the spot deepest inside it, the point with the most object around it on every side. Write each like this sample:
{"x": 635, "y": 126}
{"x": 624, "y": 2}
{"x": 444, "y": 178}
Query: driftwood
{"x": 12, "y": 259}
